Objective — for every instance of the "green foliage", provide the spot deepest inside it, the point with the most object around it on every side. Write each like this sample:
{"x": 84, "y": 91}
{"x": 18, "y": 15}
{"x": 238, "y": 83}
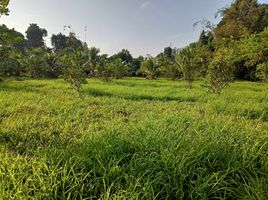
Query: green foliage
{"x": 11, "y": 42}
{"x": 132, "y": 64}
{"x": 9, "y": 63}
{"x": 220, "y": 73}
{"x": 35, "y": 36}
{"x": 11, "y": 38}
{"x": 255, "y": 53}
{"x": 112, "y": 68}
{"x": 262, "y": 71}
{"x": 93, "y": 54}
{"x": 52, "y": 61}
{"x": 73, "y": 69}
{"x": 124, "y": 55}
{"x": 132, "y": 139}
{"x": 134, "y": 67}
{"x": 151, "y": 67}
{"x": 169, "y": 68}
{"x": 3, "y": 7}
{"x": 241, "y": 19}
{"x": 188, "y": 61}
{"x": 59, "y": 42}
{"x": 34, "y": 63}
{"x": 119, "y": 68}
{"x": 73, "y": 43}
{"x": 168, "y": 52}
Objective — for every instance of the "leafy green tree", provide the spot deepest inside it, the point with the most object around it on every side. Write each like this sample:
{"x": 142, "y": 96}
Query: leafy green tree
{"x": 108, "y": 68}
{"x": 254, "y": 54}
{"x": 249, "y": 56}
{"x": 59, "y": 42}
{"x": 169, "y": 68}
{"x": 93, "y": 54}
{"x": 11, "y": 45}
{"x": 11, "y": 38}
{"x": 151, "y": 67}
{"x": 241, "y": 19}
{"x": 168, "y": 52}
{"x": 125, "y": 56}
{"x": 103, "y": 68}
{"x": 53, "y": 67}
{"x": 135, "y": 66}
{"x": 73, "y": 43}
{"x": 206, "y": 39}
{"x": 119, "y": 68}
{"x": 188, "y": 61}
{"x": 73, "y": 69}
{"x": 172, "y": 70}
{"x": 9, "y": 63}
{"x": 35, "y": 36}
{"x": 34, "y": 63}
{"x": 221, "y": 69}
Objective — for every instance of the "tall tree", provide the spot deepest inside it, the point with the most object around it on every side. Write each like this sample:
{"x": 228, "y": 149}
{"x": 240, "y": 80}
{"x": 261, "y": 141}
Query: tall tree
{"x": 241, "y": 19}
{"x": 168, "y": 52}
{"x": 35, "y": 36}
{"x": 73, "y": 42}
{"x": 124, "y": 55}
{"x": 59, "y": 42}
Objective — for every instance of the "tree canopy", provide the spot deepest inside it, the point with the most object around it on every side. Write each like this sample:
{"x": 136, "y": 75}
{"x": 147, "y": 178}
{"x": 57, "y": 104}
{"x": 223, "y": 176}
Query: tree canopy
{"x": 35, "y": 36}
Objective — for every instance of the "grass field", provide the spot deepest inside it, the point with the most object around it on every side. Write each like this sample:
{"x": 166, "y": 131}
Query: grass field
{"x": 133, "y": 139}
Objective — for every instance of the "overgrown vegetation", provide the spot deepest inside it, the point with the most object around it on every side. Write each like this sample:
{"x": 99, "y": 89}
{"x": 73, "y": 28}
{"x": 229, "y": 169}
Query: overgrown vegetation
{"x": 132, "y": 139}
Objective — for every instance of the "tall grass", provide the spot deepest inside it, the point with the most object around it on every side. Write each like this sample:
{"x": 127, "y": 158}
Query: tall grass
{"x": 132, "y": 139}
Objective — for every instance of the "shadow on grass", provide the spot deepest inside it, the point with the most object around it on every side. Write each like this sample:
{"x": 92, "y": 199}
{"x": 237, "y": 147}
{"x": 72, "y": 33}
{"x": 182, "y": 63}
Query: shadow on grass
{"x": 154, "y": 85}
{"x": 27, "y": 143}
{"x": 100, "y": 93}
{"x": 21, "y": 88}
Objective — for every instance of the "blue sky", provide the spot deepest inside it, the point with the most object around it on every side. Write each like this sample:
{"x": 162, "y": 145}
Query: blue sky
{"x": 141, "y": 26}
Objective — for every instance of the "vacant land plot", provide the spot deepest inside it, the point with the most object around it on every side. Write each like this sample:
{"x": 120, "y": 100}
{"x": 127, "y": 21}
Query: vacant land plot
{"x": 132, "y": 139}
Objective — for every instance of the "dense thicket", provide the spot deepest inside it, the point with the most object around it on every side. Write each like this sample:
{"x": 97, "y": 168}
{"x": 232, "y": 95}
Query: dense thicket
{"x": 235, "y": 49}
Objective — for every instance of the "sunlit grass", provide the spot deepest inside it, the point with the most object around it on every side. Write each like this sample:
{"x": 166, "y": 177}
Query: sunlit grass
{"x": 132, "y": 139}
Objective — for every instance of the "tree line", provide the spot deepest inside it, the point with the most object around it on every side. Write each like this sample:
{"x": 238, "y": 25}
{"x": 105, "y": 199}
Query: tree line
{"x": 235, "y": 48}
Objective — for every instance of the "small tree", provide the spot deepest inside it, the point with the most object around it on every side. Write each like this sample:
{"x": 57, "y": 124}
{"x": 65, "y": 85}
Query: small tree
{"x": 73, "y": 70}
{"x": 220, "y": 71}
{"x": 188, "y": 62}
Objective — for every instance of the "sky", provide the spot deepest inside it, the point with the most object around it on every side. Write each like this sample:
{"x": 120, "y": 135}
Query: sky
{"x": 141, "y": 26}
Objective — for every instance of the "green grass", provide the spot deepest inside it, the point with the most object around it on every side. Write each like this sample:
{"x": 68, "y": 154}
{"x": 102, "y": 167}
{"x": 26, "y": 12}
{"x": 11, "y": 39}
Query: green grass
{"x": 132, "y": 139}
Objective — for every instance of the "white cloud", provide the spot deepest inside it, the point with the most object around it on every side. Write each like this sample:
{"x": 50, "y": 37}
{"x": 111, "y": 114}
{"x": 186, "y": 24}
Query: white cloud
{"x": 145, "y": 4}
